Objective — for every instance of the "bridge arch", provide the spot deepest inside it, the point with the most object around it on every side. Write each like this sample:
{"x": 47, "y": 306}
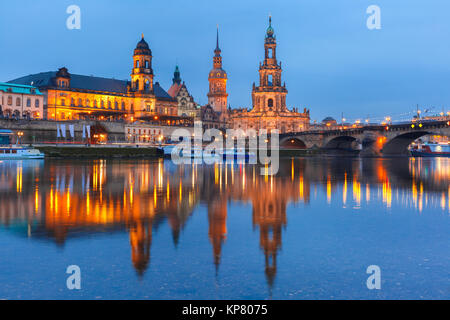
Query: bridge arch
{"x": 399, "y": 144}
{"x": 341, "y": 142}
{"x": 292, "y": 143}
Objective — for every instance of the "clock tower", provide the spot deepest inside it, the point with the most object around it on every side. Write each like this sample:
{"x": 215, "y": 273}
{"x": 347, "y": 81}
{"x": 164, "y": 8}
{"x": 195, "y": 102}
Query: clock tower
{"x": 217, "y": 95}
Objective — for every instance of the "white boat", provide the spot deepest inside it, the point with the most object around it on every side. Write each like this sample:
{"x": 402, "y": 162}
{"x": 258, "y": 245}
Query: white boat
{"x": 16, "y": 152}
{"x": 19, "y": 153}
{"x": 228, "y": 155}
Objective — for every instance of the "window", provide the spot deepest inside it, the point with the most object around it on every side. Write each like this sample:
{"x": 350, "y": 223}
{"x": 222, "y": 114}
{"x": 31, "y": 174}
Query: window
{"x": 269, "y": 79}
{"x": 146, "y": 85}
{"x": 109, "y": 104}
{"x": 123, "y": 105}
{"x": 18, "y": 102}
{"x": 270, "y": 103}
{"x": 36, "y": 103}
{"x": 95, "y": 103}
{"x": 146, "y": 64}
{"x": 137, "y": 64}
{"x": 103, "y": 104}
{"x": 63, "y": 102}
{"x": 80, "y": 102}
{"x": 88, "y": 103}
{"x": 9, "y": 100}
{"x": 269, "y": 53}
{"x": 72, "y": 102}
{"x": 28, "y": 102}
{"x": 116, "y": 105}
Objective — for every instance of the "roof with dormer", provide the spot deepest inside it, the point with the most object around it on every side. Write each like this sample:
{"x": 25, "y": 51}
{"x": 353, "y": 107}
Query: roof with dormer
{"x": 82, "y": 82}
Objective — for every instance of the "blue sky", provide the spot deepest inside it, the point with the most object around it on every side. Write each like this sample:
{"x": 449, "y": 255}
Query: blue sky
{"x": 331, "y": 62}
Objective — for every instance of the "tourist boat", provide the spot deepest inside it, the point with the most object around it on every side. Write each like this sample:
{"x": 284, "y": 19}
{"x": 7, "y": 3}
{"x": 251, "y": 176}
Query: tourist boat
{"x": 19, "y": 153}
{"x": 429, "y": 149}
{"x": 16, "y": 152}
{"x": 228, "y": 155}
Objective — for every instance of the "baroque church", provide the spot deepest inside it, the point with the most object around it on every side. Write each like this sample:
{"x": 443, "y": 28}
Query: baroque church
{"x": 269, "y": 98}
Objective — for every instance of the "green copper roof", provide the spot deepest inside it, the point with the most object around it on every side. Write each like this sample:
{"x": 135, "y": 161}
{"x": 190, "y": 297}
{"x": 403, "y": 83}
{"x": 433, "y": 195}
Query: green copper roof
{"x": 19, "y": 88}
{"x": 270, "y": 30}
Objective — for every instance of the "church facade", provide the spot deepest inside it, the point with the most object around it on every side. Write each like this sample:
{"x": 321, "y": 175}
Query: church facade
{"x": 269, "y": 98}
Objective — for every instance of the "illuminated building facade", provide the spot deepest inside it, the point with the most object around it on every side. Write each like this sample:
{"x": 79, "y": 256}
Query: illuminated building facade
{"x": 269, "y": 98}
{"x": 74, "y": 97}
{"x": 20, "y": 102}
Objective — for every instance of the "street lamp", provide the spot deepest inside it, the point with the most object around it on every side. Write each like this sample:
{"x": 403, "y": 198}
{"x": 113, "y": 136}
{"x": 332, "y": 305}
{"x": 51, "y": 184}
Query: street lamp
{"x": 19, "y": 135}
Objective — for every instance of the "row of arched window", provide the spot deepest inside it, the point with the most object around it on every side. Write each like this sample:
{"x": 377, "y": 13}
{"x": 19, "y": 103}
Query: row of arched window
{"x": 95, "y": 104}
{"x": 19, "y": 102}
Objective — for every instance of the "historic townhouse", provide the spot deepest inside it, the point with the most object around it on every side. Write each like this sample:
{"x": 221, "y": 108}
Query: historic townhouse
{"x": 20, "y": 102}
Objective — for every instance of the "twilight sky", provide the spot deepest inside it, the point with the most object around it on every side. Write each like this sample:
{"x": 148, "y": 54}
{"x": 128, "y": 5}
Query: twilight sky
{"x": 331, "y": 62}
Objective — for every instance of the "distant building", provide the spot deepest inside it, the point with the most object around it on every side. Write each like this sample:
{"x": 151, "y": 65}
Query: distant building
{"x": 210, "y": 118}
{"x": 269, "y": 98}
{"x": 143, "y": 132}
{"x": 72, "y": 97}
{"x": 19, "y": 101}
{"x": 187, "y": 107}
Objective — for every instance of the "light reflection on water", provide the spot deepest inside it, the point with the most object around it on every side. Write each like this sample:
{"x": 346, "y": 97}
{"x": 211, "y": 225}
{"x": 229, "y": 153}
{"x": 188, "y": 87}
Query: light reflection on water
{"x": 61, "y": 201}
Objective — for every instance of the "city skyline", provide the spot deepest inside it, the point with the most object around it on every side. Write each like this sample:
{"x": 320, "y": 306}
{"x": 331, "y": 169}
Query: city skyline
{"x": 327, "y": 81}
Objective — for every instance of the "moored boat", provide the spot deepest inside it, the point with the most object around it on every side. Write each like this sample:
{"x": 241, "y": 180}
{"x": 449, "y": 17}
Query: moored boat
{"x": 227, "y": 155}
{"x": 429, "y": 149}
{"x": 16, "y": 152}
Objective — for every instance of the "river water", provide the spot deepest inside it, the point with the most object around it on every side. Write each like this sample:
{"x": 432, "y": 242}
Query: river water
{"x": 145, "y": 229}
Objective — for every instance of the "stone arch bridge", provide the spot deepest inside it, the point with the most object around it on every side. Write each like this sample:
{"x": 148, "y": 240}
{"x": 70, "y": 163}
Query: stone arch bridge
{"x": 378, "y": 140}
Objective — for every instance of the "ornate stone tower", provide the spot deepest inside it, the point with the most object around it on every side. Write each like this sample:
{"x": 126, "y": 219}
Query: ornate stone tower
{"x": 142, "y": 73}
{"x": 270, "y": 95}
{"x": 217, "y": 95}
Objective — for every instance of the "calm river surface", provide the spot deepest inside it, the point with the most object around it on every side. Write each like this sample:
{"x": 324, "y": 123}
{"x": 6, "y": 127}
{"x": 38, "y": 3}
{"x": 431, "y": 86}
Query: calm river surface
{"x": 142, "y": 229}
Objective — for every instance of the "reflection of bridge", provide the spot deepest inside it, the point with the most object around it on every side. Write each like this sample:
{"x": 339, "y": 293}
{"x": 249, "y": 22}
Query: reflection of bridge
{"x": 391, "y": 139}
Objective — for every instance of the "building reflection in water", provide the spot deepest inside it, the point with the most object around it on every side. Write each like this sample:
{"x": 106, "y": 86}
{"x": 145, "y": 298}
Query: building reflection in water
{"x": 57, "y": 199}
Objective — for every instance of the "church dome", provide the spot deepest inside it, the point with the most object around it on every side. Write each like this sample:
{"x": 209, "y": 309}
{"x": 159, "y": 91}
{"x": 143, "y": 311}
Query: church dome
{"x": 218, "y": 73}
{"x": 142, "y": 48}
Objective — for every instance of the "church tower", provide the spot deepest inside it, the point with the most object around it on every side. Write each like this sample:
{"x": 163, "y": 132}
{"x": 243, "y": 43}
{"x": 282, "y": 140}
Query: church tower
{"x": 142, "y": 72}
{"x": 217, "y": 95}
{"x": 270, "y": 95}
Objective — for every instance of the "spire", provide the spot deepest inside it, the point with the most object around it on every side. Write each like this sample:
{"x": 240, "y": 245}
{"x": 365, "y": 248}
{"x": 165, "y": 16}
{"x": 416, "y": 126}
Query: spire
{"x": 270, "y": 32}
{"x": 142, "y": 36}
{"x": 217, "y": 51}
